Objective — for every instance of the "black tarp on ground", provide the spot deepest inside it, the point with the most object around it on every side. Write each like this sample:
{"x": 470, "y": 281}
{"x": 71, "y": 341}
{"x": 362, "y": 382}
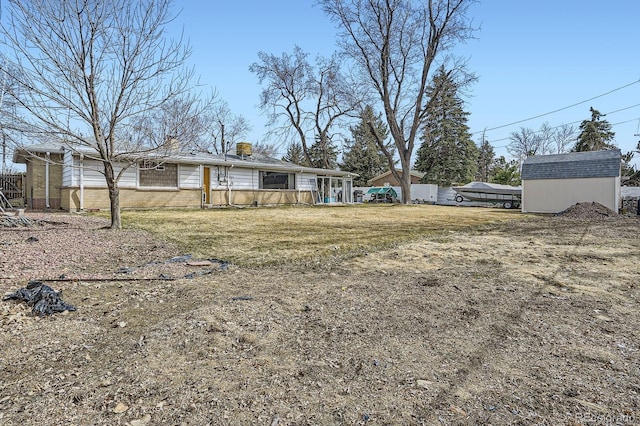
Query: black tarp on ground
{"x": 43, "y": 299}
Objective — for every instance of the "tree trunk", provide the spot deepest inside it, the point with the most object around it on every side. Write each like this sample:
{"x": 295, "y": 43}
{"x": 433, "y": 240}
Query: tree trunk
{"x": 405, "y": 159}
{"x": 114, "y": 196}
{"x": 405, "y": 182}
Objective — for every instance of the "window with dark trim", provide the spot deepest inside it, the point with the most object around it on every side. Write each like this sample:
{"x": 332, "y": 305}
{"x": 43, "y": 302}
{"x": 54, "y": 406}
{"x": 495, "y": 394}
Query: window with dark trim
{"x": 277, "y": 180}
{"x": 163, "y": 175}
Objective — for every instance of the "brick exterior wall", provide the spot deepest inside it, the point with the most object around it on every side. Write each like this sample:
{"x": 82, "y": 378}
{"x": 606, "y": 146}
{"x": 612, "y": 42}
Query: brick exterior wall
{"x": 35, "y": 183}
{"x": 98, "y": 198}
{"x": 261, "y": 197}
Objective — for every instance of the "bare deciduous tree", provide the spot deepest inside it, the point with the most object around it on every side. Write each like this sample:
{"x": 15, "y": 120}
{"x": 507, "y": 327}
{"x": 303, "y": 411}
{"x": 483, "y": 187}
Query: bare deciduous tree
{"x": 267, "y": 149}
{"x": 7, "y": 107}
{"x": 394, "y": 44}
{"x": 222, "y": 129}
{"x": 546, "y": 140}
{"x": 301, "y": 98}
{"x": 563, "y": 137}
{"x": 96, "y": 75}
{"x": 524, "y": 143}
{"x": 177, "y": 124}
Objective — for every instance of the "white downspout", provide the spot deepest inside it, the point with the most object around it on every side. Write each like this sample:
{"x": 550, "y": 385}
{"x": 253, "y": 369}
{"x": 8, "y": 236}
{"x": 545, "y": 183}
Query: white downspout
{"x": 46, "y": 181}
{"x": 81, "y": 169}
{"x": 229, "y": 184}
{"x": 298, "y": 185}
{"x": 201, "y": 183}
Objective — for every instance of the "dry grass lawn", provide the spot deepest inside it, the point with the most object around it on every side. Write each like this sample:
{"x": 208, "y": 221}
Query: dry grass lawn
{"x": 263, "y": 236}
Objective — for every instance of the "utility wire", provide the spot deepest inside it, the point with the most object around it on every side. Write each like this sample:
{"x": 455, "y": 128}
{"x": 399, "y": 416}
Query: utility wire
{"x": 559, "y": 109}
{"x": 568, "y": 124}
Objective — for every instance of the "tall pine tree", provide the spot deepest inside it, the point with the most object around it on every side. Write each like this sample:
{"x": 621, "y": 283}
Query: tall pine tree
{"x": 447, "y": 154}
{"x": 595, "y": 134}
{"x": 506, "y": 172}
{"x": 323, "y": 153}
{"x": 362, "y": 155}
{"x": 295, "y": 154}
{"x": 486, "y": 159}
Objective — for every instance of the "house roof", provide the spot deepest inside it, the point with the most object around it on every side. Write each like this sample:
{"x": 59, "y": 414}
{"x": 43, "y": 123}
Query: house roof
{"x": 571, "y": 165}
{"x": 388, "y": 172}
{"x": 253, "y": 161}
{"x": 20, "y": 154}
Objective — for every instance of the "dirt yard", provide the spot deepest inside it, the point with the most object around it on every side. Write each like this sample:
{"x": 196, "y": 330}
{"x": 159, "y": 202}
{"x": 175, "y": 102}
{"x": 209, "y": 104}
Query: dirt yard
{"x": 530, "y": 322}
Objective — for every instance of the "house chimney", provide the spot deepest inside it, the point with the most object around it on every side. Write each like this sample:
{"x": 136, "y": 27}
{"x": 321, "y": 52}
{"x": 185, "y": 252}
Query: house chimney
{"x": 172, "y": 144}
{"x": 243, "y": 149}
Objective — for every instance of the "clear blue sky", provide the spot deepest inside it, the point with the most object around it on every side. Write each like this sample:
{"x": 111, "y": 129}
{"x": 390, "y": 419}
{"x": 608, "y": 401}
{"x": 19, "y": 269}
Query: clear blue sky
{"x": 531, "y": 57}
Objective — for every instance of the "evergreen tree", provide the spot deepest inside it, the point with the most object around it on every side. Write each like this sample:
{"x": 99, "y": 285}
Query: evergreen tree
{"x": 295, "y": 154}
{"x": 486, "y": 159}
{"x": 627, "y": 168}
{"x": 595, "y": 134}
{"x": 634, "y": 178}
{"x": 362, "y": 155}
{"x": 506, "y": 173}
{"x": 447, "y": 153}
{"x": 323, "y": 153}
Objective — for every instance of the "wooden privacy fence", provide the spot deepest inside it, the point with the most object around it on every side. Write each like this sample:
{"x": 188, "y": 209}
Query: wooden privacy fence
{"x": 11, "y": 185}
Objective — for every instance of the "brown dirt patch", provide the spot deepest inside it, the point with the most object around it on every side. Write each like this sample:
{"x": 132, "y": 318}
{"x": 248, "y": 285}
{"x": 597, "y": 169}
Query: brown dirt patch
{"x": 530, "y": 322}
{"x": 589, "y": 211}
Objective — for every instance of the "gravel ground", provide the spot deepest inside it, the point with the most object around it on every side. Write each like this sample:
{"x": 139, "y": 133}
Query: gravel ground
{"x": 77, "y": 247}
{"x": 529, "y": 323}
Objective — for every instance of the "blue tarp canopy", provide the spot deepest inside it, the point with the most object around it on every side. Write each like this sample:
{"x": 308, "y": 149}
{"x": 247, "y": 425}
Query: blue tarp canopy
{"x": 383, "y": 190}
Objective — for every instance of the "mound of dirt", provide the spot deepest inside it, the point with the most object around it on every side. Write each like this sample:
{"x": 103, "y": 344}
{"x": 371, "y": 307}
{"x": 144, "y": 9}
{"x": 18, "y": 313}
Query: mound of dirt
{"x": 591, "y": 210}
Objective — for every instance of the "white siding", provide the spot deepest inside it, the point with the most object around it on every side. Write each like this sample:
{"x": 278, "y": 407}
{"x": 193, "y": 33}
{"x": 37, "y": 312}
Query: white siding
{"x": 129, "y": 178}
{"x": 68, "y": 170}
{"x": 243, "y": 178}
{"x": 557, "y": 195}
{"x": 189, "y": 176}
{"x": 219, "y": 177}
{"x": 92, "y": 176}
{"x": 306, "y": 181}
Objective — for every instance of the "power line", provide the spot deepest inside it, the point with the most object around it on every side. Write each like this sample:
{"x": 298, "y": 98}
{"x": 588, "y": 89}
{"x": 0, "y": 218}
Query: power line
{"x": 573, "y": 122}
{"x": 559, "y": 109}
{"x": 623, "y": 109}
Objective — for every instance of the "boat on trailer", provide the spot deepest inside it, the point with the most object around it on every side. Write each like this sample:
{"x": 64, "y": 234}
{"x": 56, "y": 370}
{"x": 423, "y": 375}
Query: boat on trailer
{"x": 509, "y": 196}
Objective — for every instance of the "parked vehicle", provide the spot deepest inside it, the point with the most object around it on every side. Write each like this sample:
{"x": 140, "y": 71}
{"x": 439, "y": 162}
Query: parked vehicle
{"x": 509, "y": 196}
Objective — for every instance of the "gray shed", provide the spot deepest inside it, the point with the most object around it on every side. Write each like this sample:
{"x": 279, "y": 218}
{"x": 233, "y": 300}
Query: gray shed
{"x": 553, "y": 183}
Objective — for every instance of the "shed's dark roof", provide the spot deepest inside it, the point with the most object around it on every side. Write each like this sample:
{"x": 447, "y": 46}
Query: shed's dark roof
{"x": 573, "y": 165}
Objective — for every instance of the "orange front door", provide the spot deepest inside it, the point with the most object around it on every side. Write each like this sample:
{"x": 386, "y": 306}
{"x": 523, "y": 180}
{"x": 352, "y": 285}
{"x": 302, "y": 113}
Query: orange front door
{"x": 206, "y": 180}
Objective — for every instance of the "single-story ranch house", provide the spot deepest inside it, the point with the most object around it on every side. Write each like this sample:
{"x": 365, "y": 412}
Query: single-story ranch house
{"x": 553, "y": 183}
{"x": 67, "y": 179}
